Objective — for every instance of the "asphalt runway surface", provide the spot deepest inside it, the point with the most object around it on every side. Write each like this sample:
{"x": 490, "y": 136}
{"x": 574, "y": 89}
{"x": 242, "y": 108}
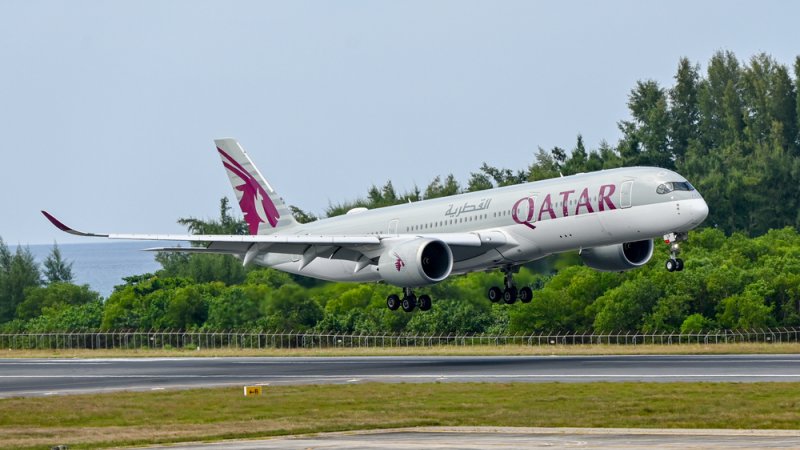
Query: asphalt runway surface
{"x": 517, "y": 438}
{"x": 38, "y": 377}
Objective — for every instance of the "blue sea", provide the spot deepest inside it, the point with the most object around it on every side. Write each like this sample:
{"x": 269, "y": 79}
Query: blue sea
{"x": 102, "y": 265}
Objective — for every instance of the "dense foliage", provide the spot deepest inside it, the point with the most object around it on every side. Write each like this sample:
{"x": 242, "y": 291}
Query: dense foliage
{"x": 734, "y": 132}
{"x": 729, "y": 282}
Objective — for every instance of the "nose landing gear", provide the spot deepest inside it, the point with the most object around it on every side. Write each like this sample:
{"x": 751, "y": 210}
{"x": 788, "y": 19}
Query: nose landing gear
{"x": 675, "y": 264}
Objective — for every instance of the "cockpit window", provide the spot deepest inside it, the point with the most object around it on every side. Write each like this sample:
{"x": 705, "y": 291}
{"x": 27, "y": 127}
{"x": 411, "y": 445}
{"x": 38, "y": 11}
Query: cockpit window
{"x": 670, "y": 186}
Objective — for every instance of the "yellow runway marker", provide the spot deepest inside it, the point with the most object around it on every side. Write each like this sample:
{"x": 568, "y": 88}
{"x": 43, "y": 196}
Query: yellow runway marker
{"x": 252, "y": 390}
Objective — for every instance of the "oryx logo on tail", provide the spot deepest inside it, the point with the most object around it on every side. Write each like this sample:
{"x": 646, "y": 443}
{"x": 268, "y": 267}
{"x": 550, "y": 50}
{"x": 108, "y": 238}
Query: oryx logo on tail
{"x": 254, "y": 200}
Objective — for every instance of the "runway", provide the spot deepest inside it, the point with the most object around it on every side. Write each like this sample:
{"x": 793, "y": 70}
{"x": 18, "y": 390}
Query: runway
{"x": 478, "y": 438}
{"x": 39, "y": 377}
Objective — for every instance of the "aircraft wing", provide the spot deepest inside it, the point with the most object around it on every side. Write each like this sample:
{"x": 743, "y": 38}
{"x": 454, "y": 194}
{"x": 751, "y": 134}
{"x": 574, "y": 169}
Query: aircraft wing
{"x": 347, "y": 247}
{"x": 247, "y": 240}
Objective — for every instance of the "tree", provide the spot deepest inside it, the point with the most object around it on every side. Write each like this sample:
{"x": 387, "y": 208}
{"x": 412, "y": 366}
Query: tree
{"x": 625, "y": 306}
{"x": 684, "y": 112}
{"x": 17, "y": 273}
{"x": 438, "y": 189}
{"x": 142, "y": 302}
{"x": 205, "y": 268}
{"x": 646, "y": 137}
{"x": 546, "y": 166}
{"x": 376, "y": 198}
{"x": 6, "y": 312}
{"x": 225, "y": 224}
{"x": 504, "y": 177}
{"x": 478, "y": 182}
{"x": 563, "y": 302}
{"x": 56, "y": 269}
{"x": 747, "y": 310}
{"x": 63, "y": 317}
{"x": 301, "y": 216}
{"x": 578, "y": 158}
{"x": 187, "y": 308}
{"x": 717, "y": 99}
{"x": 236, "y": 308}
{"x": 696, "y": 323}
{"x": 57, "y": 293}
{"x": 451, "y": 316}
{"x": 668, "y": 313}
{"x": 797, "y": 99}
{"x": 290, "y": 308}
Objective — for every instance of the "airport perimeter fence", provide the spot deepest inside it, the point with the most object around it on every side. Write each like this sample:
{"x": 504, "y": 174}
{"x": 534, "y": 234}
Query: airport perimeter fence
{"x": 195, "y": 340}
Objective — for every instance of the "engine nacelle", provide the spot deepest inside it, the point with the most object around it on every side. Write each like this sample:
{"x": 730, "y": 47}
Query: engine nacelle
{"x": 618, "y": 257}
{"x": 418, "y": 262}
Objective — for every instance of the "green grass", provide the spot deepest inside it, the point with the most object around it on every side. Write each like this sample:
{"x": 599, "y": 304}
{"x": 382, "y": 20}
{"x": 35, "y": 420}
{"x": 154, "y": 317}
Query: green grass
{"x": 439, "y": 350}
{"x": 127, "y": 418}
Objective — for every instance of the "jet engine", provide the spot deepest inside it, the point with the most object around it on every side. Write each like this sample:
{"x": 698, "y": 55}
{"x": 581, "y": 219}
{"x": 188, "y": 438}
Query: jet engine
{"x": 417, "y": 262}
{"x": 618, "y": 257}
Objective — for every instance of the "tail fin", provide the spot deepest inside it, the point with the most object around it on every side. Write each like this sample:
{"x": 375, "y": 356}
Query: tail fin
{"x": 264, "y": 211}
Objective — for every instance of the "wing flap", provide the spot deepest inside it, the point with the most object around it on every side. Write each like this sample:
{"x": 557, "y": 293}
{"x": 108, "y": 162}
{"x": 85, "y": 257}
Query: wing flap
{"x": 193, "y": 250}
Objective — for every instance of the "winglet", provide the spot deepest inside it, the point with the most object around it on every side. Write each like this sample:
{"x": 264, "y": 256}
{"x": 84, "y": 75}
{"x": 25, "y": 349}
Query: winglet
{"x": 60, "y": 225}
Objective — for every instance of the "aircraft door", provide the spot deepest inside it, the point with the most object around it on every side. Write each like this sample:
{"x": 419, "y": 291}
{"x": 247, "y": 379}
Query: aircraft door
{"x": 393, "y": 227}
{"x": 625, "y": 194}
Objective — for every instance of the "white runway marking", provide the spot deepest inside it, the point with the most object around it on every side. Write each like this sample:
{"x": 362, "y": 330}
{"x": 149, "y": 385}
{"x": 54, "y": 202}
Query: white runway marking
{"x": 420, "y": 376}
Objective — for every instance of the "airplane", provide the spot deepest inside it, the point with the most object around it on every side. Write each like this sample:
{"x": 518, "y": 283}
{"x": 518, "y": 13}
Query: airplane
{"x": 610, "y": 217}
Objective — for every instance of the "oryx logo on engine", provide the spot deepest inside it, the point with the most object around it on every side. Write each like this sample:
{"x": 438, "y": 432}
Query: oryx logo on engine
{"x": 398, "y": 262}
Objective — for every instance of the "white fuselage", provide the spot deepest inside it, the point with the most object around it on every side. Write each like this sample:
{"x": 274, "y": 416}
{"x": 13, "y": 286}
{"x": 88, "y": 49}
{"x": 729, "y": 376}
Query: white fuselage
{"x": 532, "y": 220}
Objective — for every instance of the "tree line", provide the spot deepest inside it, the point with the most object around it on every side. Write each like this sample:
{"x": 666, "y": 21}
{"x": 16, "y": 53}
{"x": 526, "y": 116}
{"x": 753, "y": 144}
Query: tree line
{"x": 732, "y": 131}
{"x": 729, "y": 282}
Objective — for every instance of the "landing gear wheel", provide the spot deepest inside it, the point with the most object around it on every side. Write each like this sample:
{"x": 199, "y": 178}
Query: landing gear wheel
{"x": 409, "y": 303}
{"x": 393, "y": 302}
{"x": 425, "y": 302}
{"x": 495, "y": 294}
{"x": 525, "y": 295}
{"x": 510, "y": 295}
{"x": 675, "y": 264}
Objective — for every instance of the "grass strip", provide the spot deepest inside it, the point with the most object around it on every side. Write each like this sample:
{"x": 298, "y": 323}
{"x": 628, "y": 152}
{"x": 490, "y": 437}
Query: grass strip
{"x": 442, "y": 350}
{"x": 137, "y": 418}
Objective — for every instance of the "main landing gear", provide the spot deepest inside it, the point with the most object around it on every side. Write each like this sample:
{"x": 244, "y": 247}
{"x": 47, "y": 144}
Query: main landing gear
{"x": 675, "y": 264}
{"x": 409, "y": 301}
{"x": 510, "y": 294}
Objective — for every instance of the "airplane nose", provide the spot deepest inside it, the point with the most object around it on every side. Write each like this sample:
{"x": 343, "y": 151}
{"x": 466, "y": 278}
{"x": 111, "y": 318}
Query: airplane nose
{"x": 699, "y": 211}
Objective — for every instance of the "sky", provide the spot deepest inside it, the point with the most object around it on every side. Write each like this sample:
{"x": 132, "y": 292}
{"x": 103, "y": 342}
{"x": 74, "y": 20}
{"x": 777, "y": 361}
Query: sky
{"x": 109, "y": 109}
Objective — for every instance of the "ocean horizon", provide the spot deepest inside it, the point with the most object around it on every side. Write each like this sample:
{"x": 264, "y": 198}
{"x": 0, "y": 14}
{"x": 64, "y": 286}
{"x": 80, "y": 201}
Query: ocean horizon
{"x": 103, "y": 265}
